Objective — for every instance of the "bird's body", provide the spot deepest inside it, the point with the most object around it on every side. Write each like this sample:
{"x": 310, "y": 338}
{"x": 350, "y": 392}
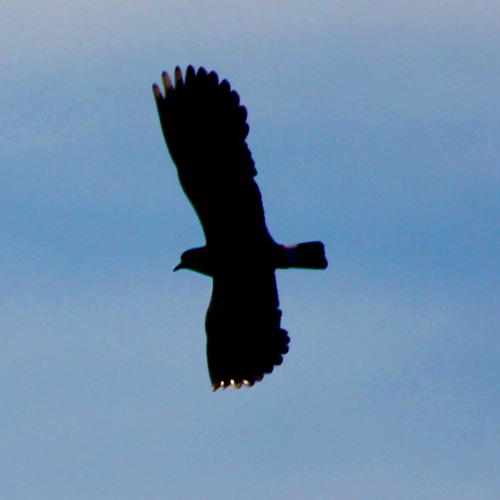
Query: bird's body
{"x": 205, "y": 130}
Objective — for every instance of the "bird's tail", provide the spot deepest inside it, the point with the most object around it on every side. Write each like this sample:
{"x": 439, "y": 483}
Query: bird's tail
{"x": 309, "y": 255}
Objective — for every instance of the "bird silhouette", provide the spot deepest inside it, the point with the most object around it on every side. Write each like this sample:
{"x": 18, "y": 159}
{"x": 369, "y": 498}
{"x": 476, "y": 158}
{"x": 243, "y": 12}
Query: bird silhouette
{"x": 205, "y": 128}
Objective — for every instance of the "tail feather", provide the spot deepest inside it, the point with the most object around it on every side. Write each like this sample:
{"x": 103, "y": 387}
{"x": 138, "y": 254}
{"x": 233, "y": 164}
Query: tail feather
{"x": 309, "y": 255}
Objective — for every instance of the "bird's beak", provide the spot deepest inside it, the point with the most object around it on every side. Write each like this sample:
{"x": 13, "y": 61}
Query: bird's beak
{"x": 179, "y": 266}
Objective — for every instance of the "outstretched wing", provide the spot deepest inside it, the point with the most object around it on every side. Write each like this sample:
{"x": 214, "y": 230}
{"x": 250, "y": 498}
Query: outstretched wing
{"x": 244, "y": 338}
{"x": 205, "y": 130}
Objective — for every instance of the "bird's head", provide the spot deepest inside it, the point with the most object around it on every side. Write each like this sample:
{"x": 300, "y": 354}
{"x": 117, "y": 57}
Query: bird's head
{"x": 196, "y": 259}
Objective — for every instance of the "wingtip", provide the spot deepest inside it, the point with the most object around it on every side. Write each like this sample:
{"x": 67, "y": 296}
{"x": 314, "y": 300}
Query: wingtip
{"x": 236, "y": 383}
{"x": 190, "y": 74}
{"x": 178, "y": 76}
{"x": 167, "y": 82}
{"x": 202, "y": 72}
{"x": 157, "y": 93}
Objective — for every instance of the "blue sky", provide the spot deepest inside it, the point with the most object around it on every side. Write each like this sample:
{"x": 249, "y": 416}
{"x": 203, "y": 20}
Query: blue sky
{"x": 375, "y": 127}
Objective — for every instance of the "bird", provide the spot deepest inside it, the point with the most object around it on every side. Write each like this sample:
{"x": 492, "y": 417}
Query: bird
{"x": 205, "y": 129}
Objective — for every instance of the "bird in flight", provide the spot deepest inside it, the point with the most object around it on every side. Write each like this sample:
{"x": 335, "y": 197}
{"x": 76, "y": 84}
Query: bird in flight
{"x": 205, "y": 128}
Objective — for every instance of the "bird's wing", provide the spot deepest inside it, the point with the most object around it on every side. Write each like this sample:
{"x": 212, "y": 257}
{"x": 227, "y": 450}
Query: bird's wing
{"x": 205, "y": 130}
{"x": 244, "y": 337}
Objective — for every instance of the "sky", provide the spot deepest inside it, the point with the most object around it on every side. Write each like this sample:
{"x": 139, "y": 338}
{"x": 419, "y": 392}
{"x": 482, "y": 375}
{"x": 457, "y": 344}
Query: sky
{"x": 375, "y": 127}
